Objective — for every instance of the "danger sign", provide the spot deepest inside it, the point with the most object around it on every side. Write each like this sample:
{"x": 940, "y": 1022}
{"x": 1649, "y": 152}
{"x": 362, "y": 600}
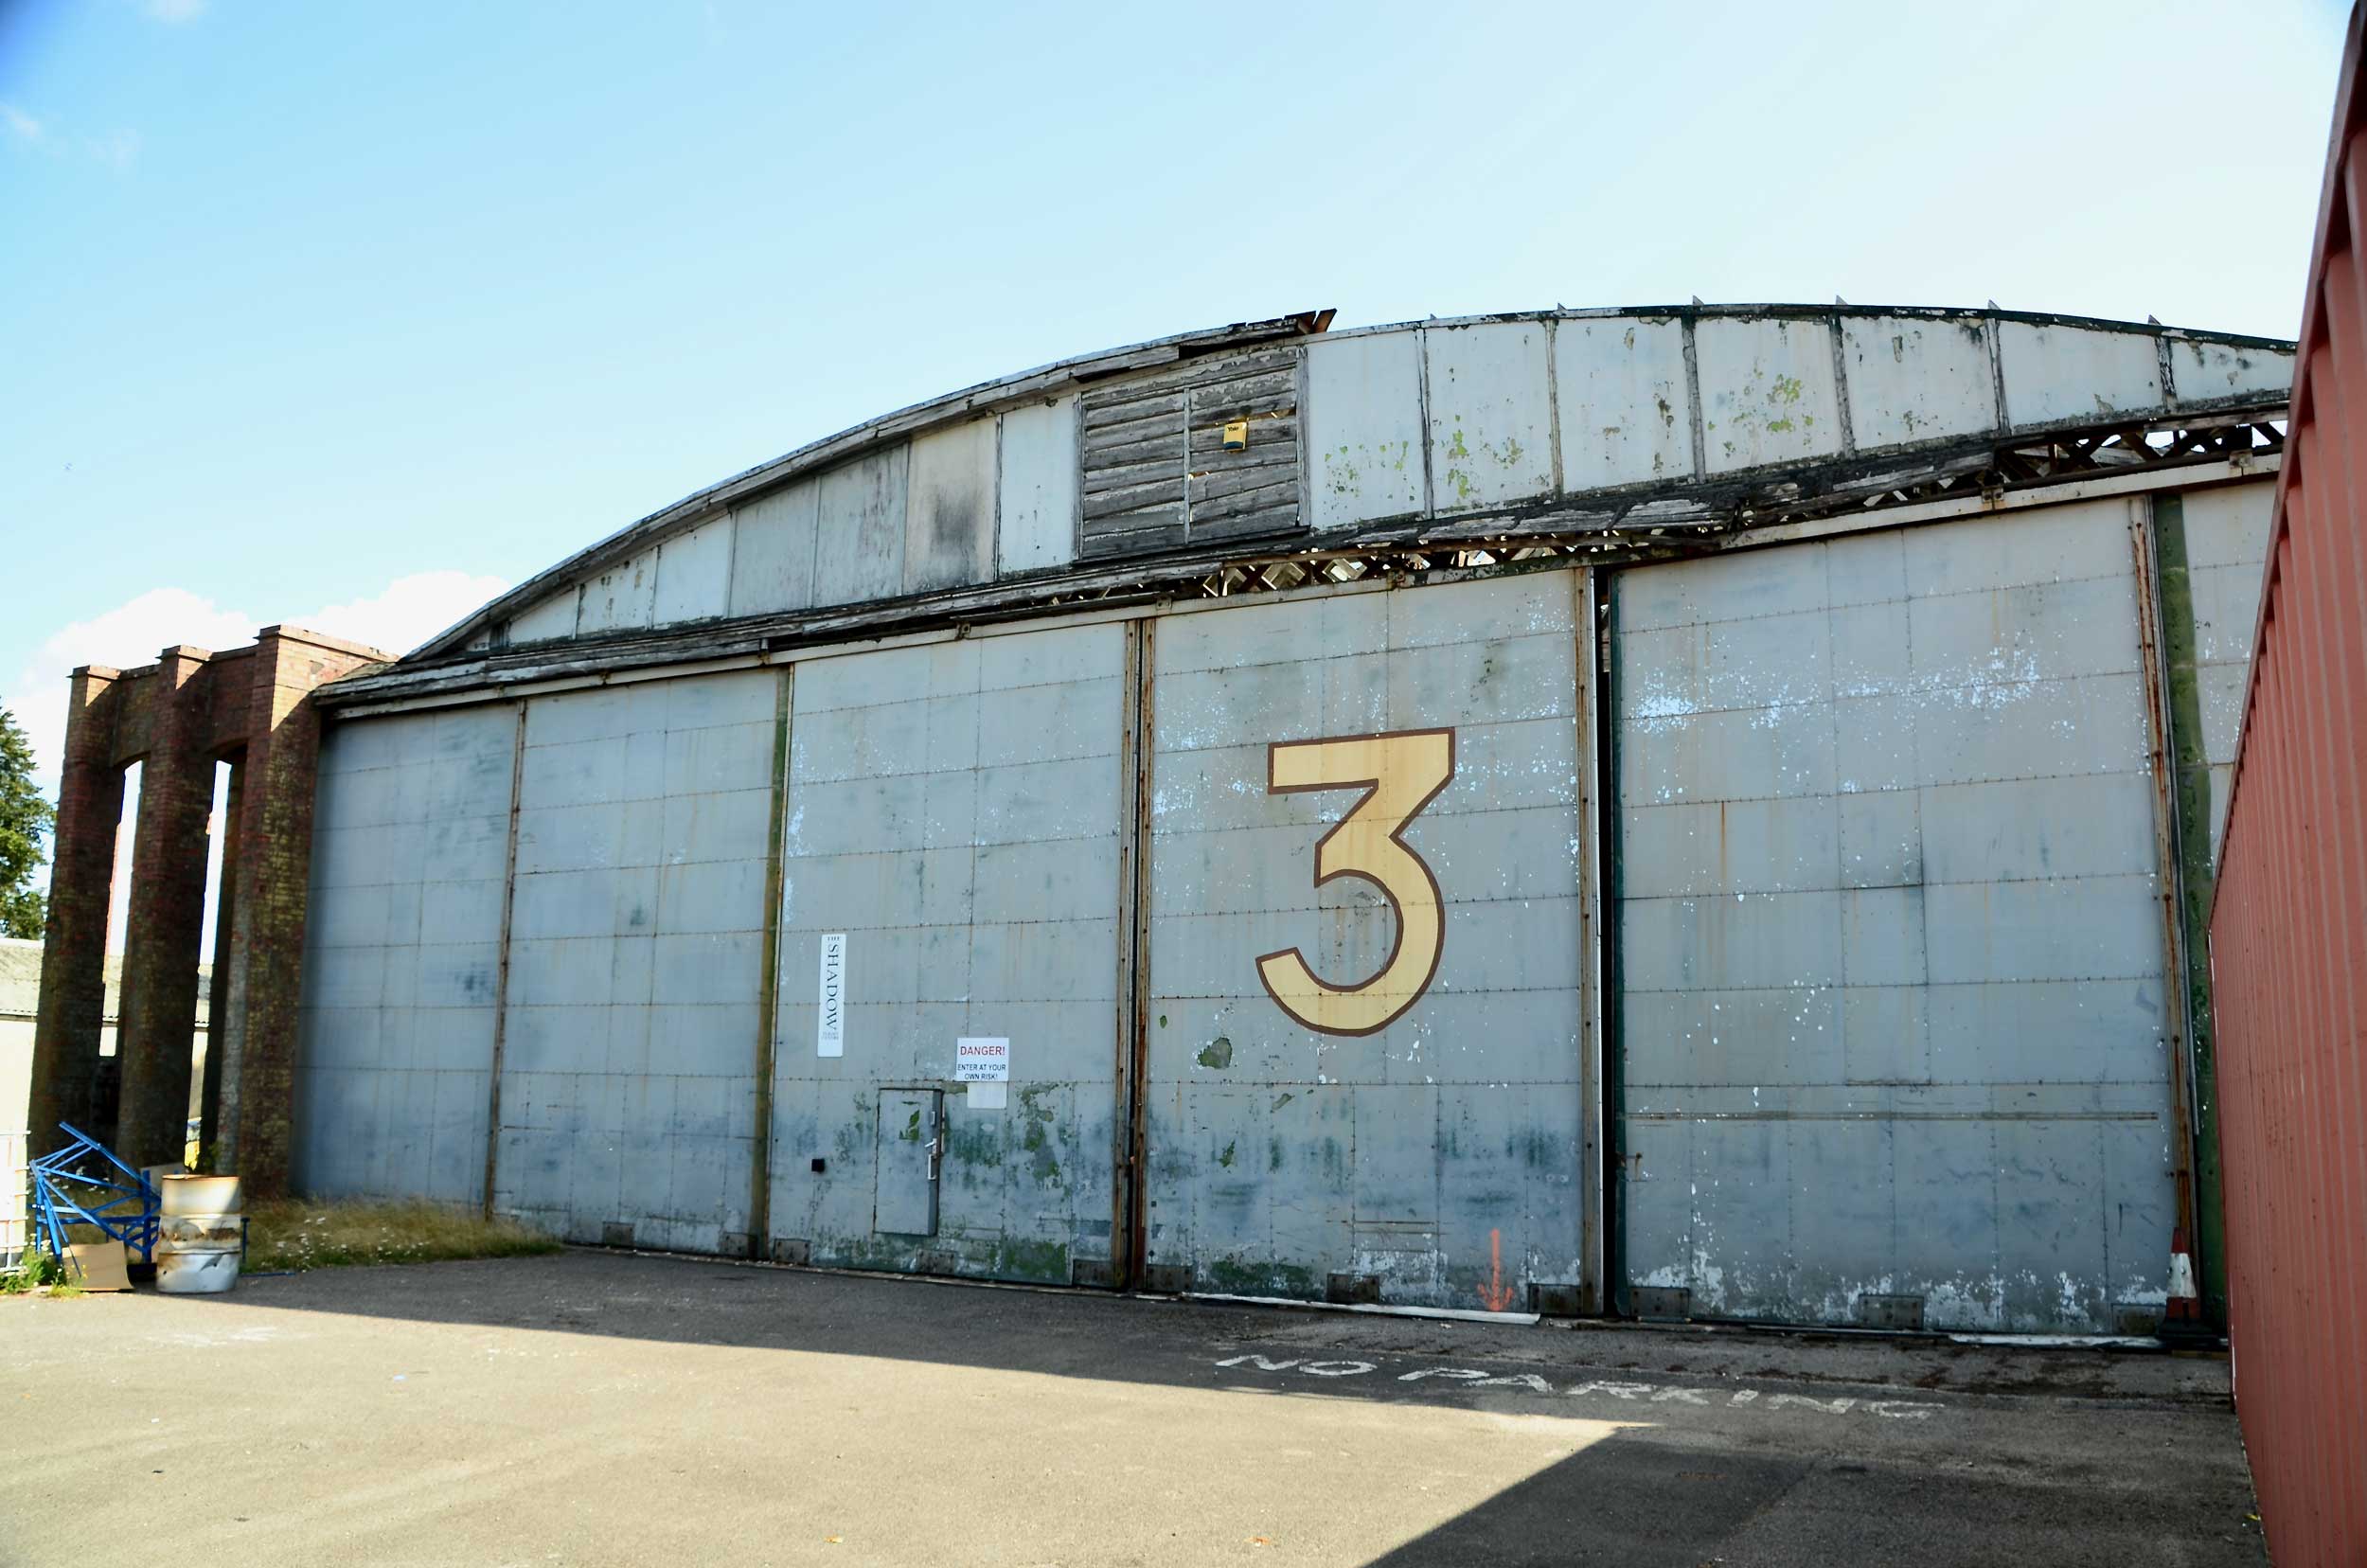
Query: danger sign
{"x": 982, "y": 1060}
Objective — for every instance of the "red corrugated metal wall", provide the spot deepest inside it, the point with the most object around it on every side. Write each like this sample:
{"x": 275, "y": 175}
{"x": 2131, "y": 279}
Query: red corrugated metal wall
{"x": 2288, "y": 930}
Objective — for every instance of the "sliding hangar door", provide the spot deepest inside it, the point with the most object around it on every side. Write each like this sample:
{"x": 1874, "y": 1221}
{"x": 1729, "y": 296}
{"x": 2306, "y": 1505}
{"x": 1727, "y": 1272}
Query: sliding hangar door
{"x": 1251, "y": 946}
{"x": 1895, "y": 1037}
{"x": 1289, "y": 992}
{"x": 1367, "y": 945}
{"x": 950, "y": 871}
{"x": 1234, "y": 948}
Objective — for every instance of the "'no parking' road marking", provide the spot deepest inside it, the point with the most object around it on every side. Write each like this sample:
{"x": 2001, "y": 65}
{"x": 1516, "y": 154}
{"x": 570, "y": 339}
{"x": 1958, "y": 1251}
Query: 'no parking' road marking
{"x": 1633, "y": 1392}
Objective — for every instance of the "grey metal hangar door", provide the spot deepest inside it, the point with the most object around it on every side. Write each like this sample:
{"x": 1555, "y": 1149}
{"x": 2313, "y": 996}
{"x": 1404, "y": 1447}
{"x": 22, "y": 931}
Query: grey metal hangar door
{"x": 636, "y": 962}
{"x": 1893, "y": 1001}
{"x": 1362, "y": 1073}
{"x": 946, "y": 1054}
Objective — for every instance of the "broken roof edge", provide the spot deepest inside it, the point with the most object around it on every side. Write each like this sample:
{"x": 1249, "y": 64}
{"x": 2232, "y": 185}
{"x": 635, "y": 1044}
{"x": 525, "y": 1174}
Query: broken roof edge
{"x": 1061, "y": 375}
{"x": 1097, "y": 588}
{"x": 981, "y": 397}
{"x": 1700, "y": 311}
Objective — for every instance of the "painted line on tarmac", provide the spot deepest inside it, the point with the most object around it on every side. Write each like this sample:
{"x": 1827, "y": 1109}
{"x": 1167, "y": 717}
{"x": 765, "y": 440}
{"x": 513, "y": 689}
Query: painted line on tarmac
{"x": 1594, "y": 1390}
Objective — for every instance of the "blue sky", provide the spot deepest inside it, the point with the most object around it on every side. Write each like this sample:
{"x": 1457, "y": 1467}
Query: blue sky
{"x": 352, "y": 316}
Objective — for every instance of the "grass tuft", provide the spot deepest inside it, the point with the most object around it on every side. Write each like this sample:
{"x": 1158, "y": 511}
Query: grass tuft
{"x": 293, "y": 1234}
{"x": 38, "y": 1270}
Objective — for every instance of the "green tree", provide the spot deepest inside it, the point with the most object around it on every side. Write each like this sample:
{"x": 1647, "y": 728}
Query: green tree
{"x": 25, "y": 818}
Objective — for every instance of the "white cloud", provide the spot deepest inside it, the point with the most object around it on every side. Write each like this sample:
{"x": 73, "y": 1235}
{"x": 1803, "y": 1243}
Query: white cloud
{"x": 175, "y": 10}
{"x": 117, "y": 148}
{"x": 411, "y": 610}
{"x": 404, "y": 614}
{"x": 128, "y": 634}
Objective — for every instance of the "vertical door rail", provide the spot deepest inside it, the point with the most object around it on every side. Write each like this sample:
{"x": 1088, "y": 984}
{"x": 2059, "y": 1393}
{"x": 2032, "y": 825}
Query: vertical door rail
{"x": 1129, "y": 1237}
{"x": 500, "y": 967}
{"x": 769, "y": 988}
{"x": 2167, "y": 882}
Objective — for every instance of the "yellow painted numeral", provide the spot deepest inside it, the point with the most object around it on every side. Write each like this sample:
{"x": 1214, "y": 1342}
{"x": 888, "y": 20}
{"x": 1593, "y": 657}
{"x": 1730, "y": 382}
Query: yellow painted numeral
{"x": 1399, "y": 772}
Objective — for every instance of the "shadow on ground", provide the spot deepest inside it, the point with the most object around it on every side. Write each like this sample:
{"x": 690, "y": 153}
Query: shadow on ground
{"x": 1546, "y": 1444}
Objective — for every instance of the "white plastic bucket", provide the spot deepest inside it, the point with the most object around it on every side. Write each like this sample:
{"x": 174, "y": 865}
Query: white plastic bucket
{"x": 199, "y": 1195}
{"x": 198, "y": 1254}
{"x": 196, "y": 1272}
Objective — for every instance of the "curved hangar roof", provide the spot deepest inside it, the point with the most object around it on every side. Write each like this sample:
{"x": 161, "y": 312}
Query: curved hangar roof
{"x": 1161, "y": 461}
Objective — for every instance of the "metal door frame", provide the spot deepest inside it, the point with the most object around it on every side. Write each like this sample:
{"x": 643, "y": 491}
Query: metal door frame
{"x": 936, "y": 1092}
{"x": 1597, "y": 814}
{"x": 1611, "y": 1299}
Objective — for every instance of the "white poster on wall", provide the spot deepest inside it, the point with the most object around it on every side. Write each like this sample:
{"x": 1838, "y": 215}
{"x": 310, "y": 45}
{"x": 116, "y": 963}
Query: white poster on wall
{"x": 829, "y": 1038}
{"x": 984, "y": 1064}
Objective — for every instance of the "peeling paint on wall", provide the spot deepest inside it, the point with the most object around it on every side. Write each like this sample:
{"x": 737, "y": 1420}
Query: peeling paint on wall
{"x": 1491, "y": 433}
{"x": 628, "y": 1064}
{"x": 954, "y": 811}
{"x": 1894, "y": 1008}
{"x": 1285, "y": 1155}
{"x": 1768, "y": 392}
{"x": 395, "y": 1028}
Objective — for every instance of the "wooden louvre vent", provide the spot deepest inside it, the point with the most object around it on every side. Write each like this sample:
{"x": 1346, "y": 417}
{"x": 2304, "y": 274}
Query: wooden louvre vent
{"x": 1155, "y": 471}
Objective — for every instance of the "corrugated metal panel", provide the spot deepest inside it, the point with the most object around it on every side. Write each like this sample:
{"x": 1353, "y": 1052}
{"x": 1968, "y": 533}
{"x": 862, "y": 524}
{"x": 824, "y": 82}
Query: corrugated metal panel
{"x": 874, "y": 434}
{"x": 1892, "y": 950}
{"x": 694, "y": 574}
{"x": 1624, "y": 407}
{"x": 1364, "y": 427}
{"x": 2055, "y": 373}
{"x": 1491, "y": 414}
{"x": 2206, "y": 372}
{"x": 948, "y": 535}
{"x": 1912, "y": 378}
{"x": 2289, "y": 941}
{"x": 772, "y": 550}
{"x": 1768, "y": 392}
{"x": 954, "y": 814}
{"x": 858, "y": 543}
{"x": 554, "y": 617}
{"x": 1436, "y": 1151}
{"x": 636, "y": 962}
{"x": 2227, "y": 547}
{"x": 1037, "y": 487}
{"x": 395, "y": 1039}
{"x": 623, "y": 597}
{"x": 1446, "y": 419}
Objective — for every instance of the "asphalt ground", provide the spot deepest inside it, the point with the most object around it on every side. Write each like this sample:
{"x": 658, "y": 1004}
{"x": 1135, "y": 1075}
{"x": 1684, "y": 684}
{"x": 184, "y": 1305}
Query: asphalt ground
{"x": 604, "y": 1408}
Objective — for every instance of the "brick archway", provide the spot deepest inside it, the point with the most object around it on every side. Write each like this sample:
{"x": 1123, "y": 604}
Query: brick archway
{"x": 179, "y": 718}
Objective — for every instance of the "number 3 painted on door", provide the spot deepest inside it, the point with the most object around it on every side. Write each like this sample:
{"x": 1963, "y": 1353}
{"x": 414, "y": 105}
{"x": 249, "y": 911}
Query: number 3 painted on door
{"x": 1399, "y": 772}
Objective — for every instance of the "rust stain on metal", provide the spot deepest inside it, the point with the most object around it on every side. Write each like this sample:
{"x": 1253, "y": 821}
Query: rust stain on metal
{"x": 1130, "y": 1240}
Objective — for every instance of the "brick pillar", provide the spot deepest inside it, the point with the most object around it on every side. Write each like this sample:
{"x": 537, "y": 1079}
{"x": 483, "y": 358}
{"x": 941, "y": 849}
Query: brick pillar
{"x": 73, "y": 955}
{"x": 218, "y": 994}
{"x": 256, "y": 1037}
{"x": 165, "y": 926}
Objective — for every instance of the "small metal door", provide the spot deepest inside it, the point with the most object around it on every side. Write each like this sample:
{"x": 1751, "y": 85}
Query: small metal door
{"x": 912, "y": 1142}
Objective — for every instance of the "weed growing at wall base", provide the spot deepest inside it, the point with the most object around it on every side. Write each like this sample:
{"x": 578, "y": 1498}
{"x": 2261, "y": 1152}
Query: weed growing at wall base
{"x": 296, "y": 1235}
{"x": 39, "y": 1270}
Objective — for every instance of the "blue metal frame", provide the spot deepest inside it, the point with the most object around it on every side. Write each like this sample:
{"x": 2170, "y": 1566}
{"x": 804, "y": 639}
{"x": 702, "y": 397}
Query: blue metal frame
{"x": 127, "y": 1213}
